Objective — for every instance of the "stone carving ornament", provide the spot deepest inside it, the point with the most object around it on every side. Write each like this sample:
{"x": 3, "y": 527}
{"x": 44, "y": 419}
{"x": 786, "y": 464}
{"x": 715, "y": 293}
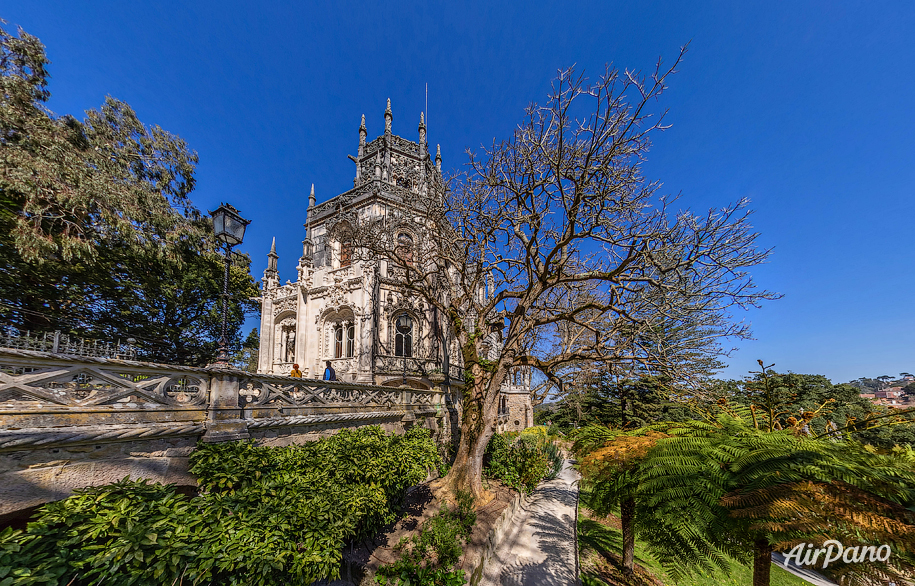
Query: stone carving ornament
{"x": 336, "y": 295}
{"x": 283, "y": 305}
{"x": 96, "y": 386}
{"x": 313, "y": 393}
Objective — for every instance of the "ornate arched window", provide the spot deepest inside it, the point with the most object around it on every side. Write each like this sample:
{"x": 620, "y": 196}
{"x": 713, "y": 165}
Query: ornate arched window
{"x": 403, "y": 335}
{"x": 344, "y": 340}
{"x": 405, "y": 248}
{"x": 346, "y": 252}
{"x": 338, "y": 341}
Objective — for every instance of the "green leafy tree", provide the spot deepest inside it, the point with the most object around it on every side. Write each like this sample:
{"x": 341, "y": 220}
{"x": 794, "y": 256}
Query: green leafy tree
{"x": 866, "y": 385}
{"x": 814, "y": 404}
{"x": 728, "y": 488}
{"x": 246, "y": 357}
{"x": 620, "y": 404}
{"x": 743, "y": 483}
{"x": 174, "y": 307}
{"x": 76, "y": 185}
{"x": 98, "y": 235}
{"x": 635, "y": 403}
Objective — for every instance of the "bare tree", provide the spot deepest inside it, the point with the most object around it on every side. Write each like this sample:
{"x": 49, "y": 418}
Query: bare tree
{"x": 552, "y": 251}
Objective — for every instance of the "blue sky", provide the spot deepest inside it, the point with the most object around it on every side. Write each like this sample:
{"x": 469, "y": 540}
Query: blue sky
{"x": 805, "y": 107}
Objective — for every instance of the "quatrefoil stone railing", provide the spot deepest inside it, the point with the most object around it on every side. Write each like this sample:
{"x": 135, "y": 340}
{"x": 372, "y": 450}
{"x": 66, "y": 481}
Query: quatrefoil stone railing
{"x": 41, "y": 392}
{"x": 69, "y": 421}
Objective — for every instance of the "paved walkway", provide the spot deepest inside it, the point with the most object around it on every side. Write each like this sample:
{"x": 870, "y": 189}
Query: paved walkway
{"x": 811, "y": 576}
{"x": 539, "y": 549}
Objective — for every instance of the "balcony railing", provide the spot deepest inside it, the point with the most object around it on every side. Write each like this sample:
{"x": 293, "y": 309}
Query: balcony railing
{"x": 60, "y": 343}
{"x": 416, "y": 367}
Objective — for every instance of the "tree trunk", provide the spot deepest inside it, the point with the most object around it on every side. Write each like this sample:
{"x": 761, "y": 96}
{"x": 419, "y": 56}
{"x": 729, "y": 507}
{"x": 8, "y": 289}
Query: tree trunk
{"x": 479, "y": 415}
{"x": 762, "y": 562}
{"x": 627, "y": 518}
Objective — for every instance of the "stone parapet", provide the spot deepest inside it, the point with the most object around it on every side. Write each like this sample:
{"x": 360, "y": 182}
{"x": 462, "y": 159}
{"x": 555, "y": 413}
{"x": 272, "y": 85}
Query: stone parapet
{"x": 68, "y": 422}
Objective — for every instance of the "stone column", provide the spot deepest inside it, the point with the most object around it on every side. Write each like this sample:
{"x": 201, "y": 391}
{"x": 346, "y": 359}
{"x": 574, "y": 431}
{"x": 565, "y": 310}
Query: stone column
{"x": 366, "y": 323}
{"x": 224, "y": 416}
{"x": 265, "y": 353}
{"x": 301, "y": 328}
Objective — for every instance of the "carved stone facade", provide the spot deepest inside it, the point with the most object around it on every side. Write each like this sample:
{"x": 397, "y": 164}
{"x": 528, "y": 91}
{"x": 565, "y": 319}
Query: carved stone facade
{"x": 352, "y": 312}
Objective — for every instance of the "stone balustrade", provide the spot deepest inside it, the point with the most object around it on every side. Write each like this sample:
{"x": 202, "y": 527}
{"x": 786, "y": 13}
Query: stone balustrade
{"x": 72, "y": 421}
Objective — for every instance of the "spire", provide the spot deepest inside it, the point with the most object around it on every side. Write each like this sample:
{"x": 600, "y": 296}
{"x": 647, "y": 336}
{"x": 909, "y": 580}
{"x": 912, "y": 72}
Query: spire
{"x": 311, "y": 197}
{"x": 438, "y": 158}
{"x": 362, "y": 135}
{"x": 271, "y": 272}
{"x": 422, "y": 134}
{"x": 388, "y": 118}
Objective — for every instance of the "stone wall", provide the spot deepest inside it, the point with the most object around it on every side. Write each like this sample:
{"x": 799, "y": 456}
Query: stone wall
{"x": 70, "y": 422}
{"x": 518, "y": 413}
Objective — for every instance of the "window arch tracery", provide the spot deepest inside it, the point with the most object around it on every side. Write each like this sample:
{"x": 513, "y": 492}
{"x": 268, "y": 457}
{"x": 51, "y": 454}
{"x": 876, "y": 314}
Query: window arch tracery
{"x": 403, "y": 335}
{"x": 405, "y": 248}
{"x": 344, "y": 339}
{"x": 339, "y": 334}
{"x": 345, "y": 244}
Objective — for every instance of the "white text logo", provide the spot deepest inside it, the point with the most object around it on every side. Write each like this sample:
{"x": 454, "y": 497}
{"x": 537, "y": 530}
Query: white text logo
{"x": 806, "y": 554}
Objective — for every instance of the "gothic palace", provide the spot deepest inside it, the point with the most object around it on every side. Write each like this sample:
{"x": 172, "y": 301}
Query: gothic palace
{"x": 351, "y": 312}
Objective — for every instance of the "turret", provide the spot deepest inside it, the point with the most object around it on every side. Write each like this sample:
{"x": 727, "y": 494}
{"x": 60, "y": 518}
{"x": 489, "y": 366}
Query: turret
{"x": 438, "y": 158}
{"x": 358, "y": 158}
{"x": 271, "y": 275}
{"x": 388, "y": 118}
{"x": 422, "y": 134}
{"x": 272, "y": 257}
{"x": 307, "y": 244}
{"x": 422, "y": 152}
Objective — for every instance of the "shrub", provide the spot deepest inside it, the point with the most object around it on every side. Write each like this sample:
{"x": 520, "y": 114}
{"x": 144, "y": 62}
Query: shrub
{"x": 538, "y": 431}
{"x": 522, "y": 464}
{"x": 265, "y": 516}
{"x": 427, "y": 558}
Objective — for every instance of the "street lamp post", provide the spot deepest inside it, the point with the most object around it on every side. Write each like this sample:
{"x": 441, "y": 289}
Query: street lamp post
{"x": 229, "y": 228}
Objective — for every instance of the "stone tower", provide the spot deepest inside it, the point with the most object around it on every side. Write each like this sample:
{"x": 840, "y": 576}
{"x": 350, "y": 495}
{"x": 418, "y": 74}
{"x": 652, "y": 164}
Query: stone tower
{"x": 352, "y": 312}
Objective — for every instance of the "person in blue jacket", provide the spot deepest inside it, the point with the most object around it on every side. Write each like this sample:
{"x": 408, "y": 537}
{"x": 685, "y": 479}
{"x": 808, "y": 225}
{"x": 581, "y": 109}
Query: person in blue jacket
{"x": 329, "y": 372}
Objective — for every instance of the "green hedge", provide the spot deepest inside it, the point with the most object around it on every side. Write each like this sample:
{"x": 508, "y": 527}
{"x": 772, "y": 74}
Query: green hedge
{"x": 264, "y": 516}
{"x": 522, "y": 461}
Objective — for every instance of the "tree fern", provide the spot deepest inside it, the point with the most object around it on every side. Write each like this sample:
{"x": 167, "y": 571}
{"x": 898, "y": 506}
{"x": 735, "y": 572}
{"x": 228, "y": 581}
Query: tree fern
{"x": 731, "y": 488}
